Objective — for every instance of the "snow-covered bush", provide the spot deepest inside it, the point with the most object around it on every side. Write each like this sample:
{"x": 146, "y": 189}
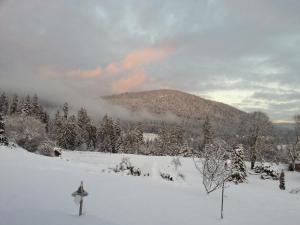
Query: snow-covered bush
{"x": 27, "y": 132}
{"x": 166, "y": 176}
{"x": 48, "y": 149}
{"x": 267, "y": 171}
{"x": 125, "y": 167}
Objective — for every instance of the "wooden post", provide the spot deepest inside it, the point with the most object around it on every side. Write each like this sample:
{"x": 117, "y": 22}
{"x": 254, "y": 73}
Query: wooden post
{"x": 80, "y": 206}
{"x": 222, "y": 202}
{"x": 81, "y": 193}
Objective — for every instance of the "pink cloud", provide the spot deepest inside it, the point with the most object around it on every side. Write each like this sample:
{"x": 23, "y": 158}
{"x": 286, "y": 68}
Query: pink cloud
{"x": 113, "y": 69}
{"x": 145, "y": 56}
{"x": 136, "y": 79}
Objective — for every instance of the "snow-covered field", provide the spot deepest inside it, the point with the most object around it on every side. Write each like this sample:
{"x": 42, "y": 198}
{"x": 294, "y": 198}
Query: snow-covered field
{"x": 36, "y": 190}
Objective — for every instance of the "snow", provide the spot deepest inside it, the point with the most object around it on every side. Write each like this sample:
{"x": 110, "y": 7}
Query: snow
{"x": 37, "y": 190}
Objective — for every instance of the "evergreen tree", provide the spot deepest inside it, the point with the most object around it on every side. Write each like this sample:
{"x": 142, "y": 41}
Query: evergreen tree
{"x": 35, "y": 108}
{"x": 239, "y": 173}
{"x": 3, "y": 138}
{"x": 84, "y": 125}
{"x": 20, "y": 106}
{"x": 26, "y": 107}
{"x": 45, "y": 119}
{"x": 70, "y": 133}
{"x": 66, "y": 110}
{"x": 3, "y": 104}
{"x": 139, "y": 132}
{"x": 14, "y": 105}
{"x": 57, "y": 129}
{"x": 282, "y": 180}
{"x": 120, "y": 148}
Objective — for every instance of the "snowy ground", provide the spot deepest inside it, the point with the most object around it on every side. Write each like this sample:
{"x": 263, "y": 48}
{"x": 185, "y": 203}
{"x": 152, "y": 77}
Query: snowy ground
{"x": 36, "y": 190}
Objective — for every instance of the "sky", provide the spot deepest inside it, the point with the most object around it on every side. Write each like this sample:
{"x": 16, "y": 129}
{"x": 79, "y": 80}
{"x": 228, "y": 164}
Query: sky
{"x": 243, "y": 53}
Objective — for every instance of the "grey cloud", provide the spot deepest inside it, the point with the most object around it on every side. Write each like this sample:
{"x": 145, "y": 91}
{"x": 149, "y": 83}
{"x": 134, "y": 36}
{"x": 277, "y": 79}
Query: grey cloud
{"x": 218, "y": 46}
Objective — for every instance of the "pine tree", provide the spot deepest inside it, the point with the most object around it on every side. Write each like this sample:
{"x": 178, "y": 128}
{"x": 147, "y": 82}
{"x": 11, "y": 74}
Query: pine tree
{"x": 20, "y": 106}
{"x": 45, "y": 119}
{"x": 3, "y": 104}
{"x": 3, "y": 138}
{"x": 35, "y": 108}
{"x": 57, "y": 129}
{"x": 26, "y": 107}
{"x": 70, "y": 134}
{"x": 239, "y": 173}
{"x": 66, "y": 110}
{"x": 84, "y": 123}
{"x": 14, "y": 105}
{"x": 282, "y": 180}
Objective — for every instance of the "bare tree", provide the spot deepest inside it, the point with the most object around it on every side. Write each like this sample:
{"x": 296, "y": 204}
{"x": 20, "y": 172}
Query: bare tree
{"x": 293, "y": 148}
{"x": 212, "y": 165}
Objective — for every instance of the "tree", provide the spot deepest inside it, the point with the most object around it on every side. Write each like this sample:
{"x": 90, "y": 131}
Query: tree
{"x": 3, "y": 138}
{"x": 255, "y": 132}
{"x": 138, "y": 137}
{"x": 106, "y": 135}
{"x": 83, "y": 122}
{"x": 238, "y": 166}
{"x": 207, "y": 132}
{"x": 26, "y": 107}
{"x": 3, "y": 104}
{"x": 14, "y": 105}
{"x": 293, "y": 148}
{"x": 28, "y": 132}
{"x": 35, "y": 107}
{"x": 213, "y": 166}
{"x": 66, "y": 110}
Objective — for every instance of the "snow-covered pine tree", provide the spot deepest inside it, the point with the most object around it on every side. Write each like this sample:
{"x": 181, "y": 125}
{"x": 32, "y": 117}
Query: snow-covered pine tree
{"x": 282, "y": 180}
{"x": 120, "y": 148}
{"x": 139, "y": 130}
{"x": 238, "y": 165}
{"x": 20, "y": 106}
{"x": 3, "y": 104}
{"x": 35, "y": 108}
{"x": 66, "y": 110}
{"x": 14, "y": 105}
{"x": 3, "y": 138}
{"x": 83, "y": 122}
{"x": 57, "y": 131}
{"x": 26, "y": 107}
{"x": 70, "y": 135}
{"x": 45, "y": 119}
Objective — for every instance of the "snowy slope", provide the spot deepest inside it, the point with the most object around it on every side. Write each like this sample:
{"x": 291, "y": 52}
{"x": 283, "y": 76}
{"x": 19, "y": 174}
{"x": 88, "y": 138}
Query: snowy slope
{"x": 37, "y": 190}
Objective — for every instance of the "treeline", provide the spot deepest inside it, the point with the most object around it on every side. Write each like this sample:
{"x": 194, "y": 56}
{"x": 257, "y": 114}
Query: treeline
{"x": 29, "y": 125}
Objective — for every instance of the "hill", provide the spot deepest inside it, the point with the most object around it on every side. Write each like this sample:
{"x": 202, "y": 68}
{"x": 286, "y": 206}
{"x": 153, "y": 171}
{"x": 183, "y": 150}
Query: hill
{"x": 180, "y": 104}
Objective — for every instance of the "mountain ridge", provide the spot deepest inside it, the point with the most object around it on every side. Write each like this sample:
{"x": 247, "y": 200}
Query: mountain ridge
{"x": 182, "y": 104}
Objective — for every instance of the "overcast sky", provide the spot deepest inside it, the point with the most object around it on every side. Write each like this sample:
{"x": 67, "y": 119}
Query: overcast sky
{"x": 244, "y": 53}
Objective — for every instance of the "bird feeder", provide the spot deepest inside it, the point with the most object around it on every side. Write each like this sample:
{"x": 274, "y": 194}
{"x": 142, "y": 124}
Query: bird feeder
{"x": 78, "y": 197}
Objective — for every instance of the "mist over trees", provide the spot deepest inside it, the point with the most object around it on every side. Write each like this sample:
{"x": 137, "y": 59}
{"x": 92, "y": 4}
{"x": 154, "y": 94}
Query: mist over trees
{"x": 30, "y": 125}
